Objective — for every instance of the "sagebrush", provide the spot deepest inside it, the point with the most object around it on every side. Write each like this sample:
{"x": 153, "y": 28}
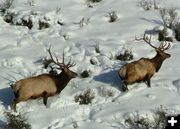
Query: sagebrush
{"x": 143, "y": 122}
{"x": 16, "y": 121}
{"x": 85, "y": 97}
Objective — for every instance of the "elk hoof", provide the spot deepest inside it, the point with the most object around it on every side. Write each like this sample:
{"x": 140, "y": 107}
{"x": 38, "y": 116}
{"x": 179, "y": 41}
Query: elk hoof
{"x": 125, "y": 89}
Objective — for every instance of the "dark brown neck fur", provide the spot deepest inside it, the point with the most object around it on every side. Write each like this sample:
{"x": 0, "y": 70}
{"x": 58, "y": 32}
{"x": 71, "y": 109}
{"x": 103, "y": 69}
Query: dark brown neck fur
{"x": 157, "y": 61}
{"x": 61, "y": 81}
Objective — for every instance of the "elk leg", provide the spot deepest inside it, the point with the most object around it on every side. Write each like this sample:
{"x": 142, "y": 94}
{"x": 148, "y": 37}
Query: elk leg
{"x": 148, "y": 83}
{"x": 45, "y": 97}
{"x": 13, "y": 105}
{"x": 125, "y": 88}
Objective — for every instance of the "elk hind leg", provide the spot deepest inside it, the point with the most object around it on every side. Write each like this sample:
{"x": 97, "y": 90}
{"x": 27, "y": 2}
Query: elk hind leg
{"x": 125, "y": 88}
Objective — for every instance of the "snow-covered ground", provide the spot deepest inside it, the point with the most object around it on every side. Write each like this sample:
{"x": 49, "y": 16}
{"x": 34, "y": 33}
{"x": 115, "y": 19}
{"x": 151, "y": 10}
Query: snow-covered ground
{"x": 21, "y": 51}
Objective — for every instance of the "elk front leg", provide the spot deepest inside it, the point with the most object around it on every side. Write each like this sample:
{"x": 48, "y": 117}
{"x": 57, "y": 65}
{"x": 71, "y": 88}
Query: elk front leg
{"x": 45, "y": 97}
{"x": 149, "y": 83}
{"x": 13, "y": 105}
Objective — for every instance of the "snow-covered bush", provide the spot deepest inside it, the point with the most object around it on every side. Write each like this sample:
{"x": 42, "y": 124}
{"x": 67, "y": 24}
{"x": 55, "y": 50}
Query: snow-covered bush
{"x": 85, "y": 97}
{"x": 16, "y": 122}
{"x": 32, "y": 19}
{"x": 148, "y": 4}
{"x": 8, "y": 17}
{"x": 177, "y": 31}
{"x": 94, "y": 1}
{"x": 5, "y": 4}
{"x": 85, "y": 73}
{"x": 125, "y": 55}
{"x": 169, "y": 17}
{"x": 43, "y": 24}
{"x": 91, "y": 2}
{"x": 25, "y": 22}
{"x": 171, "y": 21}
{"x": 163, "y": 35}
{"x": 113, "y": 16}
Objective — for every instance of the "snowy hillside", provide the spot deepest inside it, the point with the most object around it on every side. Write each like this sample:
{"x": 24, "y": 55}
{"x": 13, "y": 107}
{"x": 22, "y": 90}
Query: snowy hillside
{"x": 73, "y": 27}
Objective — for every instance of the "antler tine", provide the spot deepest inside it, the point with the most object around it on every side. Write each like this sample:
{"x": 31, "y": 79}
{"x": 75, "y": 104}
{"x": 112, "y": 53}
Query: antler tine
{"x": 138, "y": 39}
{"x": 164, "y": 46}
{"x": 70, "y": 64}
{"x": 148, "y": 41}
{"x": 55, "y": 62}
{"x": 63, "y": 57}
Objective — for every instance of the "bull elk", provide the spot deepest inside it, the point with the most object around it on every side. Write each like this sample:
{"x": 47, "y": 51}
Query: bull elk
{"x": 44, "y": 85}
{"x": 143, "y": 69}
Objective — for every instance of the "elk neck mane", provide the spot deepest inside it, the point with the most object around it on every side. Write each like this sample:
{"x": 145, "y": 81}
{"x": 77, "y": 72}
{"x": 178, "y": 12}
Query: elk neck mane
{"x": 157, "y": 61}
{"x": 61, "y": 81}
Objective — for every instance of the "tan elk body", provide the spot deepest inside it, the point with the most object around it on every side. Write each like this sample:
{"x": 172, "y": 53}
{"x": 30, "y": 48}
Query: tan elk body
{"x": 43, "y": 85}
{"x": 143, "y": 69}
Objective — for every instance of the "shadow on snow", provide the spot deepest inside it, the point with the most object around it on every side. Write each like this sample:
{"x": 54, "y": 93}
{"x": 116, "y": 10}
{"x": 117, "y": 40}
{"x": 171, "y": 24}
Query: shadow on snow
{"x": 6, "y": 96}
{"x": 111, "y": 77}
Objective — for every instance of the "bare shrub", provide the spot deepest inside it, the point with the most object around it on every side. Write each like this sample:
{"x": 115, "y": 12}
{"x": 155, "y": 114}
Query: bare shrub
{"x": 85, "y": 97}
{"x": 177, "y": 31}
{"x": 83, "y": 22}
{"x": 156, "y": 4}
{"x": 141, "y": 122}
{"x": 125, "y": 56}
{"x": 113, "y": 16}
{"x": 149, "y": 4}
{"x": 58, "y": 10}
{"x": 104, "y": 92}
{"x": 91, "y": 2}
{"x": 159, "y": 119}
{"x": 138, "y": 122}
{"x": 145, "y": 4}
{"x": 16, "y": 121}
{"x": 31, "y": 2}
{"x": 97, "y": 49}
{"x": 169, "y": 17}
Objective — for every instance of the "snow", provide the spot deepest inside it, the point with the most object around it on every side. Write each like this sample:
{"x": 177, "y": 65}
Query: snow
{"x": 22, "y": 49}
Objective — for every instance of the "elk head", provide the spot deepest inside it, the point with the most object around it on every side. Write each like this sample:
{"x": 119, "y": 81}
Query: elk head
{"x": 62, "y": 66}
{"x": 159, "y": 50}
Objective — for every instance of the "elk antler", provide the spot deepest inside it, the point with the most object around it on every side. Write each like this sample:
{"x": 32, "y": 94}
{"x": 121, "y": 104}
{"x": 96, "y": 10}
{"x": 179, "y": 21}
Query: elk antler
{"x": 61, "y": 65}
{"x": 70, "y": 64}
{"x": 52, "y": 59}
{"x": 163, "y": 46}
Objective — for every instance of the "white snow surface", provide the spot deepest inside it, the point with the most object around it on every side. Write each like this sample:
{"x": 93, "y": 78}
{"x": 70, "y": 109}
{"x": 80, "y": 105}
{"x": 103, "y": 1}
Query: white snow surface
{"x": 22, "y": 49}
